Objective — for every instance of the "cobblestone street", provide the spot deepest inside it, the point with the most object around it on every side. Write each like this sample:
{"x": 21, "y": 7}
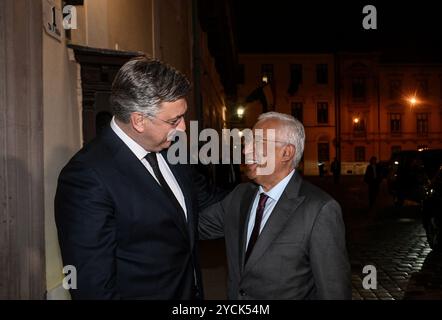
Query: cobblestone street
{"x": 396, "y": 248}
{"x": 390, "y": 239}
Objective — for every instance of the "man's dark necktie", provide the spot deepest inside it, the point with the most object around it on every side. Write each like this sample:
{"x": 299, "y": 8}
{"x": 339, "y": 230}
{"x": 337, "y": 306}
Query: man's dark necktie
{"x": 257, "y": 226}
{"x": 153, "y": 161}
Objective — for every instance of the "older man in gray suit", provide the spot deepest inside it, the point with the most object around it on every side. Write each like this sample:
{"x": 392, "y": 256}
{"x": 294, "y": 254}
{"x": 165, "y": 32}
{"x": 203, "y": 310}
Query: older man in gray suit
{"x": 285, "y": 238}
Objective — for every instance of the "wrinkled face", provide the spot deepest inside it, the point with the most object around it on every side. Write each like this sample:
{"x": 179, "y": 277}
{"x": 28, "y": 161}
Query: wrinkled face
{"x": 156, "y": 133}
{"x": 270, "y": 152}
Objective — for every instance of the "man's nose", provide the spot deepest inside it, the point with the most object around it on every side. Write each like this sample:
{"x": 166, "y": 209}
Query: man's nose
{"x": 182, "y": 125}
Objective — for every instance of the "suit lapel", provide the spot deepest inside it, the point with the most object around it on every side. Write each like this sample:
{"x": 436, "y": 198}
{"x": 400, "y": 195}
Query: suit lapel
{"x": 131, "y": 167}
{"x": 284, "y": 209}
{"x": 244, "y": 216}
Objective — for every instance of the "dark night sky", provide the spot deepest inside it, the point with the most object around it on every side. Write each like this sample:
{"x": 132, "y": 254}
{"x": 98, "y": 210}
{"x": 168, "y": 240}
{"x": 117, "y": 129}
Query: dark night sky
{"x": 274, "y": 26}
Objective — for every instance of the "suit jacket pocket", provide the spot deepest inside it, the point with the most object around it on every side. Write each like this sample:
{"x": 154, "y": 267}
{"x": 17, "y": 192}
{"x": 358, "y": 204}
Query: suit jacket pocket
{"x": 289, "y": 250}
{"x": 293, "y": 239}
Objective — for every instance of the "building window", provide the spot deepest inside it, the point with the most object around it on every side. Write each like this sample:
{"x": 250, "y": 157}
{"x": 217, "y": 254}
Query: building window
{"x": 322, "y": 73}
{"x": 359, "y": 88}
{"x": 322, "y": 113}
{"x": 267, "y": 73}
{"x": 360, "y": 154}
{"x": 395, "y": 89}
{"x": 395, "y": 123}
{"x": 323, "y": 151}
{"x": 241, "y": 74}
{"x": 295, "y": 78}
{"x": 422, "y": 124}
{"x": 359, "y": 128}
{"x": 297, "y": 110}
{"x": 422, "y": 88}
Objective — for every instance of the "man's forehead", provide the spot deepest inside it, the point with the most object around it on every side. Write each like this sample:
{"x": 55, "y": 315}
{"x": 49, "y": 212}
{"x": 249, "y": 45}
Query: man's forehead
{"x": 176, "y": 107}
{"x": 267, "y": 127}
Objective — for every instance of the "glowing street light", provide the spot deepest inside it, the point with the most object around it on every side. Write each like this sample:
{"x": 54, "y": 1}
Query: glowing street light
{"x": 412, "y": 100}
{"x": 240, "y": 112}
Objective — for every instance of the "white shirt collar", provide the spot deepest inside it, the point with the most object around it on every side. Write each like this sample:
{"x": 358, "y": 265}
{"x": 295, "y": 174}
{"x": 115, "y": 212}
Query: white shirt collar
{"x": 276, "y": 192}
{"x": 138, "y": 150}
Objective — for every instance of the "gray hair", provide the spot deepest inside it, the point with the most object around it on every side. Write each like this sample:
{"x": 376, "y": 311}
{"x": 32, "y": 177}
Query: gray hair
{"x": 142, "y": 84}
{"x": 292, "y": 129}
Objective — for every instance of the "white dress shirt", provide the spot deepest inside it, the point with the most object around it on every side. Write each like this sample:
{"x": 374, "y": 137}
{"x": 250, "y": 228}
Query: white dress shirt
{"x": 274, "y": 194}
{"x": 141, "y": 153}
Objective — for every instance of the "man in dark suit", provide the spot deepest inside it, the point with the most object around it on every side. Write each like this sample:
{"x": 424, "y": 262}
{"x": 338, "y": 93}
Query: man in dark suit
{"x": 126, "y": 218}
{"x": 373, "y": 178}
{"x": 285, "y": 238}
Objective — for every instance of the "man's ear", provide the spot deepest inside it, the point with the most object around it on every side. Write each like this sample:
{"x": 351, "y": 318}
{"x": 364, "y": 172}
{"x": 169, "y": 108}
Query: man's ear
{"x": 137, "y": 121}
{"x": 288, "y": 152}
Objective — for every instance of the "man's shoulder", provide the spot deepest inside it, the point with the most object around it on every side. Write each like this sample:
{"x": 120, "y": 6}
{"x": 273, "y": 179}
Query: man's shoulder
{"x": 317, "y": 201}
{"x": 313, "y": 193}
{"x": 93, "y": 155}
{"x": 245, "y": 187}
{"x": 241, "y": 192}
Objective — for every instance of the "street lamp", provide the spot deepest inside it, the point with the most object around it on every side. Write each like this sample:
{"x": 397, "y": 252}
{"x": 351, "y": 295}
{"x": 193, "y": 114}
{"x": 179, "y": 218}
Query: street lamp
{"x": 413, "y": 100}
{"x": 240, "y": 112}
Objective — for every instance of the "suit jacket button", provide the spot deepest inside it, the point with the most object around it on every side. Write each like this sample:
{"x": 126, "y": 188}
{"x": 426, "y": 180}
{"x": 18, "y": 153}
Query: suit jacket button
{"x": 242, "y": 292}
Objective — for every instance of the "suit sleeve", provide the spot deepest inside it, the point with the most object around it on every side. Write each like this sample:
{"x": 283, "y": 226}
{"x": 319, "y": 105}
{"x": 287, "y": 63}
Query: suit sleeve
{"x": 206, "y": 193}
{"x": 328, "y": 254}
{"x": 211, "y": 222}
{"x": 86, "y": 226}
{"x": 212, "y": 219}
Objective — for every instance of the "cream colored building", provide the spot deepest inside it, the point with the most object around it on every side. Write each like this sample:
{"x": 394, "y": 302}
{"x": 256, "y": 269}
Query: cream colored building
{"x": 369, "y": 98}
{"x": 302, "y": 85}
{"x": 386, "y": 106}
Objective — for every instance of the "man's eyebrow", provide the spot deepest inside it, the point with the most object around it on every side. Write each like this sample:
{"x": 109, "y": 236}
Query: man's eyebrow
{"x": 179, "y": 116}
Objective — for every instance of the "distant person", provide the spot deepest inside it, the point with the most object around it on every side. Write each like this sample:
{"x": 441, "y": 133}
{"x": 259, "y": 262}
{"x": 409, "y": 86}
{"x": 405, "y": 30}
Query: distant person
{"x": 336, "y": 170}
{"x": 321, "y": 167}
{"x": 373, "y": 178}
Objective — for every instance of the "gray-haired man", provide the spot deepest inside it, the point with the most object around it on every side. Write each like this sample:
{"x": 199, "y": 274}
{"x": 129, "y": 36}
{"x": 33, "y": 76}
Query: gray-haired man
{"x": 285, "y": 238}
{"x": 126, "y": 219}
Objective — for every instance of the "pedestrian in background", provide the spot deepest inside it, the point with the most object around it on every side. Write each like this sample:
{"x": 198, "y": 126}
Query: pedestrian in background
{"x": 336, "y": 170}
{"x": 373, "y": 178}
